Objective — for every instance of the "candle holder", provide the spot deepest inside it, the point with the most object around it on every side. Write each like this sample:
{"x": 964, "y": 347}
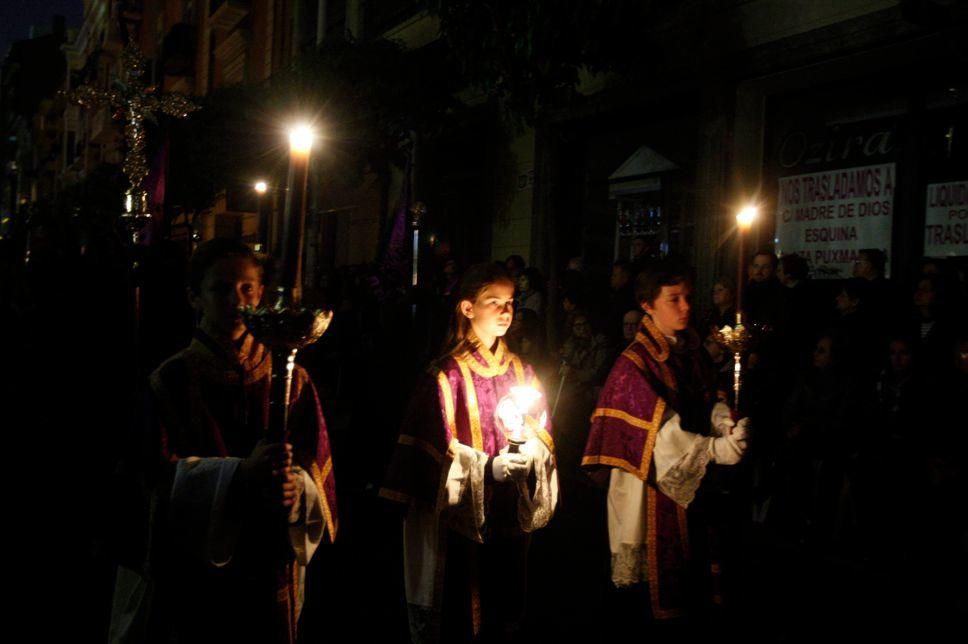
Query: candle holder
{"x": 737, "y": 339}
{"x": 514, "y": 417}
{"x": 285, "y": 327}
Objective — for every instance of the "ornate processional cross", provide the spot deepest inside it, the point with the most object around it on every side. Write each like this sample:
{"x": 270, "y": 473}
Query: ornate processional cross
{"x": 133, "y": 101}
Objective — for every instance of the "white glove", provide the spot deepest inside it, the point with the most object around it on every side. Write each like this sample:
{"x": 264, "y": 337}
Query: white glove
{"x": 721, "y": 419}
{"x": 510, "y": 466}
{"x": 726, "y": 450}
{"x": 740, "y": 433}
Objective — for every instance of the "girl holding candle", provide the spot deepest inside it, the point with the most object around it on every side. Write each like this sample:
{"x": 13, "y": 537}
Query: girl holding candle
{"x": 472, "y": 493}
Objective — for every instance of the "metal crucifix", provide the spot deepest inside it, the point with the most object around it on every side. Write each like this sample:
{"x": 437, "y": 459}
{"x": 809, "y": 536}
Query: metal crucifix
{"x": 133, "y": 101}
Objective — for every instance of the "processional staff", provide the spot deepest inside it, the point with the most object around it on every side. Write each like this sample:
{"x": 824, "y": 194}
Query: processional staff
{"x": 133, "y": 101}
{"x": 285, "y": 327}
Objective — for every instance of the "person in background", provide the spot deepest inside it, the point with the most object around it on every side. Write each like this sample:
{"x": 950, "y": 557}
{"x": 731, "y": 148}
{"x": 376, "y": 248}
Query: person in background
{"x": 530, "y": 291}
{"x": 723, "y": 310}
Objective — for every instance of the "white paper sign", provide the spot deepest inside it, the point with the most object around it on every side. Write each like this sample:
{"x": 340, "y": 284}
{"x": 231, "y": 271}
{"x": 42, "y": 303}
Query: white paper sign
{"x": 946, "y": 219}
{"x": 827, "y": 217}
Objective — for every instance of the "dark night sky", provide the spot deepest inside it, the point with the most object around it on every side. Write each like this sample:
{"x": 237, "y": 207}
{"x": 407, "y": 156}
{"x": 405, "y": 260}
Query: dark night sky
{"x": 16, "y": 17}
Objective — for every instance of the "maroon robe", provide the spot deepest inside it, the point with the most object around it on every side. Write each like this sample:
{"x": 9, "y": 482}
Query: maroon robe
{"x": 209, "y": 403}
{"x": 650, "y": 381}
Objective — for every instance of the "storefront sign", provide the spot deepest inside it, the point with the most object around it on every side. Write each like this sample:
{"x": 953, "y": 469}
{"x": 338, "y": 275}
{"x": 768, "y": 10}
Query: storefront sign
{"x": 946, "y": 219}
{"x": 827, "y": 217}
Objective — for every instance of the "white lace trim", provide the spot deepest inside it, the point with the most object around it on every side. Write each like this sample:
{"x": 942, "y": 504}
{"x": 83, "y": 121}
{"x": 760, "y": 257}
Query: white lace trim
{"x": 682, "y": 479}
{"x": 535, "y": 512}
{"x": 630, "y": 565}
{"x": 463, "y": 491}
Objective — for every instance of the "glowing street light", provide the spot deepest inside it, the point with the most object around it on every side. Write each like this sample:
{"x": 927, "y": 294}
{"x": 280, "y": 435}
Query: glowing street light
{"x": 301, "y": 140}
{"x": 746, "y": 216}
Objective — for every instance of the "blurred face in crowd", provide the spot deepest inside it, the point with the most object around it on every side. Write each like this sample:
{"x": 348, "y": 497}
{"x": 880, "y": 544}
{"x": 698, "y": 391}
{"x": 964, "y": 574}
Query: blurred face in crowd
{"x": 822, "y": 354}
{"x": 524, "y": 284}
{"x": 931, "y": 268}
{"x": 722, "y": 296}
{"x": 845, "y": 303}
{"x": 580, "y": 327}
{"x": 924, "y": 295}
{"x": 619, "y": 278}
{"x": 568, "y": 305}
{"x": 762, "y": 268}
{"x": 231, "y": 283}
{"x": 900, "y": 356}
{"x": 961, "y": 357}
{"x": 781, "y": 274}
{"x": 491, "y": 312}
{"x": 670, "y": 310}
{"x": 450, "y": 268}
{"x": 863, "y": 267}
{"x": 630, "y": 324}
{"x": 638, "y": 247}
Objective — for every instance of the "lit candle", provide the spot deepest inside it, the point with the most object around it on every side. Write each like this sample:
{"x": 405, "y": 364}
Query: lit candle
{"x": 512, "y": 411}
{"x": 261, "y": 187}
{"x": 744, "y": 220}
{"x": 294, "y": 213}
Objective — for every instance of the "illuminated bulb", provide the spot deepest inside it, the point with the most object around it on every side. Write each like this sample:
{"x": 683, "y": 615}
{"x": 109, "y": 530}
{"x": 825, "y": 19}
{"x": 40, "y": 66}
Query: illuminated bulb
{"x": 261, "y": 187}
{"x": 301, "y": 139}
{"x": 746, "y": 216}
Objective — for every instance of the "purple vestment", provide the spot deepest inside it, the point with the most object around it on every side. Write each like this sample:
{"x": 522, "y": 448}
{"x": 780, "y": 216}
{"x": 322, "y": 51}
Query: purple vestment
{"x": 648, "y": 383}
{"x": 465, "y": 537}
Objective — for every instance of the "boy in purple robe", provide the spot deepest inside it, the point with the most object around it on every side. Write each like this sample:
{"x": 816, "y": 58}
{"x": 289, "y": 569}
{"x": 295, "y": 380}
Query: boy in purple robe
{"x": 475, "y": 466}
{"x": 654, "y": 432}
{"x": 233, "y": 520}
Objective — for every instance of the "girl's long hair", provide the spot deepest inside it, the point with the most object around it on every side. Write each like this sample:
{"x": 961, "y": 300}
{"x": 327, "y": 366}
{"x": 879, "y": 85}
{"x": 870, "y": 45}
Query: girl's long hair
{"x": 460, "y": 338}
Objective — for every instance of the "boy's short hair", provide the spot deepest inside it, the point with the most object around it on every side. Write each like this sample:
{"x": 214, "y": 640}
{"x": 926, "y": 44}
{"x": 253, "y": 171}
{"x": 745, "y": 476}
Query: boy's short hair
{"x": 211, "y": 252}
{"x": 665, "y": 272}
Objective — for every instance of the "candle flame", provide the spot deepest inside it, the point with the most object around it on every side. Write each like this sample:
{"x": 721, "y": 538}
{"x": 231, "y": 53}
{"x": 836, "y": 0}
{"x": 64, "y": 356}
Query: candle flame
{"x": 525, "y": 397}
